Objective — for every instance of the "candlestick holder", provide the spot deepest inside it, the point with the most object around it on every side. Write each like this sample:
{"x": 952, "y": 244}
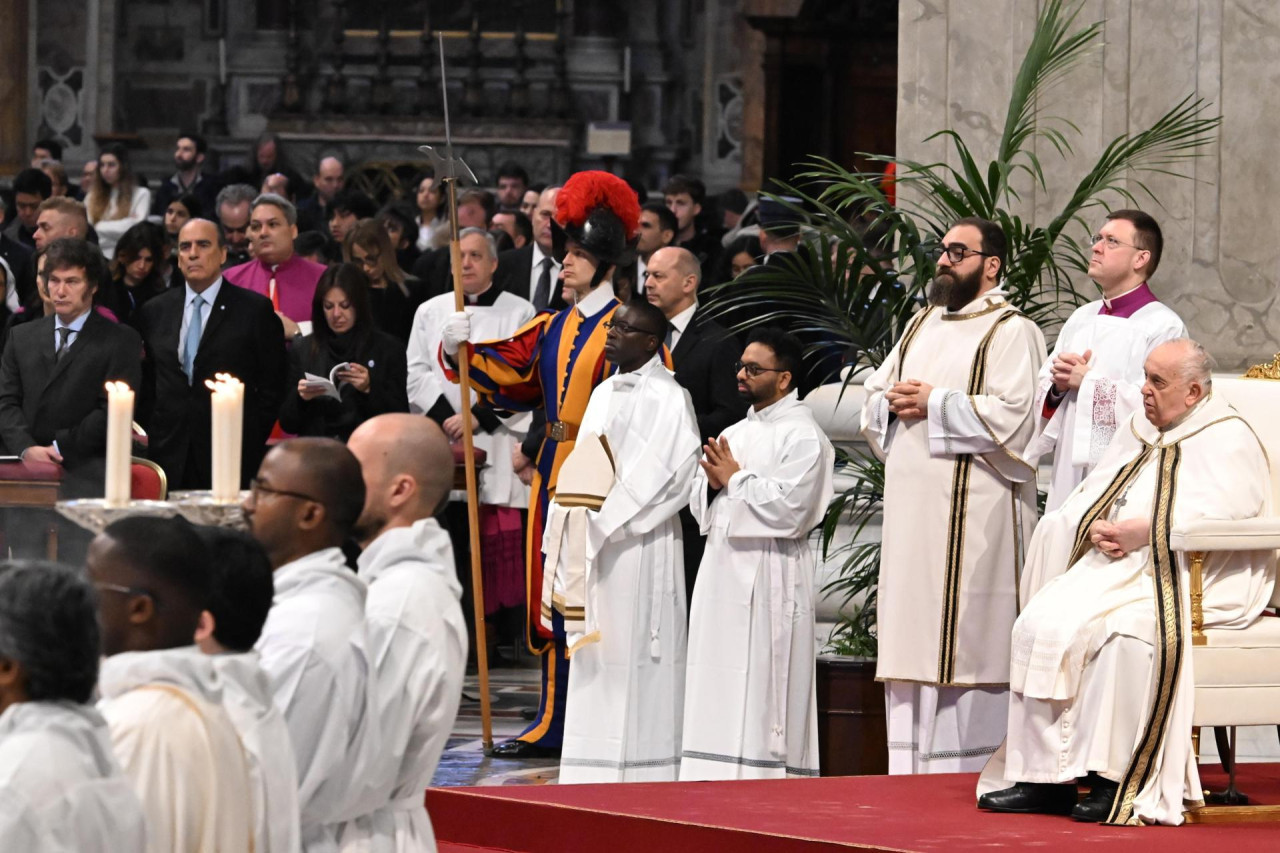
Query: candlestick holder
{"x": 94, "y": 514}
{"x": 201, "y": 507}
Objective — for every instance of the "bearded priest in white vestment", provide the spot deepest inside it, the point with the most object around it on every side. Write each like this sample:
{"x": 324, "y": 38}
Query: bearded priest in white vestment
{"x": 61, "y": 788}
{"x": 161, "y": 696}
{"x": 750, "y": 704}
{"x": 1092, "y": 381}
{"x": 314, "y": 648}
{"x": 950, "y": 412}
{"x": 1101, "y": 667}
{"x": 616, "y": 563}
{"x": 417, "y": 635}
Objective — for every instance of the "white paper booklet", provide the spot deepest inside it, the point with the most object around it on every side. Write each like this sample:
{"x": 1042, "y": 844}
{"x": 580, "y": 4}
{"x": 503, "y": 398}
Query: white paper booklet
{"x": 329, "y": 385}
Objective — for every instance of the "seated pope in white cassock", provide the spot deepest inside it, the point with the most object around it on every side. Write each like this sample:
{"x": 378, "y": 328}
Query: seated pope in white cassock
{"x": 1101, "y": 670}
{"x": 238, "y": 607}
{"x": 61, "y": 788}
{"x": 161, "y": 696}
{"x": 417, "y": 635}
{"x": 750, "y": 703}
{"x": 314, "y": 647}
{"x": 613, "y": 537}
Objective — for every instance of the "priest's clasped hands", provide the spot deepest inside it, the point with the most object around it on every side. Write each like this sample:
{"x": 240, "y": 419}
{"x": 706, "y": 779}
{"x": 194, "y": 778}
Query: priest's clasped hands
{"x": 1118, "y": 538}
{"x": 718, "y": 462}
{"x": 1069, "y": 369}
{"x": 909, "y": 399}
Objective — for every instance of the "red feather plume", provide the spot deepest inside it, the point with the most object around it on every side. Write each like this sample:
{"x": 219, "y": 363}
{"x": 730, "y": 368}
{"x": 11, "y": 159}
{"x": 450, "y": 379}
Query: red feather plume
{"x": 585, "y": 191}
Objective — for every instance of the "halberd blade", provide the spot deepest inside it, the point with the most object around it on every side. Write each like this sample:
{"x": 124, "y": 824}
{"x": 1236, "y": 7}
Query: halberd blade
{"x": 450, "y": 167}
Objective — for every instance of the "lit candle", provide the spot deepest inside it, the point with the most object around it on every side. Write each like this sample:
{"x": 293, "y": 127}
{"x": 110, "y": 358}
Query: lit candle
{"x": 227, "y": 407}
{"x": 119, "y": 442}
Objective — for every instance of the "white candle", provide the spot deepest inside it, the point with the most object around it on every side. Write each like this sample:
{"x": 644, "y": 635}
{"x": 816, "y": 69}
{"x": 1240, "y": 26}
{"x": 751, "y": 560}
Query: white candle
{"x": 119, "y": 442}
{"x": 222, "y": 61}
{"x": 227, "y": 407}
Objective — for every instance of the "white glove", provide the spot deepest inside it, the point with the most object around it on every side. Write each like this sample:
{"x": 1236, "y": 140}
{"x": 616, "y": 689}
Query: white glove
{"x": 457, "y": 330}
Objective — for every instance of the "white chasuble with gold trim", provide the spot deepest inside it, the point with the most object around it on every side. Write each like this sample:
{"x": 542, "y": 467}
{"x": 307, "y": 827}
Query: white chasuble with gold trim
{"x": 959, "y": 497}
{"x": 1081, "y": 603}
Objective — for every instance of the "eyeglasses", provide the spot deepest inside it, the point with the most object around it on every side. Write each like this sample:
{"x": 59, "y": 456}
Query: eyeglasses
{"x": 956, "y": 252}
{"x": 257, "y": 487}
{"x": 126, "y": 590}
{"x": 753, "y": 370}
{"x": 626, "y": 328}
{"x": 370, "y": 261}
{"x": 1110, "y": 242}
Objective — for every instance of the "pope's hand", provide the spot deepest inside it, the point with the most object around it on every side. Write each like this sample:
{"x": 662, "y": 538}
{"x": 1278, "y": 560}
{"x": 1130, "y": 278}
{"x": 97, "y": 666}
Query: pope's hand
{"x": 457, "y": 330}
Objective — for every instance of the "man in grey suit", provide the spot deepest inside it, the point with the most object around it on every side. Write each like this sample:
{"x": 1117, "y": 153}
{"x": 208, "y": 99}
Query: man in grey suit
{"x": 53, "y": 399}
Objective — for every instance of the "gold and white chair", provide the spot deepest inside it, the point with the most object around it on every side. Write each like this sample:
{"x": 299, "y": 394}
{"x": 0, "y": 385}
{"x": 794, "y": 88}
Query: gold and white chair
{"x": 1237, "y": 672}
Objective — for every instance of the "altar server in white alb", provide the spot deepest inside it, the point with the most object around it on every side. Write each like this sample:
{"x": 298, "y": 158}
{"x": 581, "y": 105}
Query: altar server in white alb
{"x": 1092, "y": 381}
{"x": 1101, "y": 671}
{"x": 161, "y": 696}
{"x": 615, "y": 562}
{"x": 762, "y": 486}
{"x": 417, "y": 636}
{"x": 950, "y": 412}
{"x": 238, "y": 605}
{"x": 61, "y": 788}
{"x": 302, "y": 506}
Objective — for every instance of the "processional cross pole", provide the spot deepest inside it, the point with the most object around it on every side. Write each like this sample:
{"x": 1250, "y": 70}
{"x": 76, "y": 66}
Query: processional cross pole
{"x": 450, "y": 170}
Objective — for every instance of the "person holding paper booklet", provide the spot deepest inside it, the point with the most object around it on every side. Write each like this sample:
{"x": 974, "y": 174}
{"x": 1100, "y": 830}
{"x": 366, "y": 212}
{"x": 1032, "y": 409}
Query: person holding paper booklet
{"x": 347, "y": 370}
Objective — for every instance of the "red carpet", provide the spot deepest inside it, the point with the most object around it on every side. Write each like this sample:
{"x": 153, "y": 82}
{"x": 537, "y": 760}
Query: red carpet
{"x": 903, "y": 813}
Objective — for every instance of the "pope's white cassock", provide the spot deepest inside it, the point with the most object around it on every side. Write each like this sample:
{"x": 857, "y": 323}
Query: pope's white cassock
{"x": 1120, "y": 333}
{"x": 418, "y": 644}
{"x": 959, "y": 503}
{"x": 1101, "y": 668}
{"x": 626, "y": 685}
{"x": 495, "y": 316}
{"x": 177, "y": 744}
{"x": 315, "y": 652}
{"x": 61, "y": 788}
{"x": 750, "y": 707}
{"x": 246, "y": 696}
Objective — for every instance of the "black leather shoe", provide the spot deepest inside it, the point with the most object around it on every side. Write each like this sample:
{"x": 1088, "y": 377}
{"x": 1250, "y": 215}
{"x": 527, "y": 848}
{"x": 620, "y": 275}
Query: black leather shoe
{"x": 528, "y": 713}
{"x": 1097, "y": 805}
{"x": 523, "y": 749}
{"x": 1031, "y": 798}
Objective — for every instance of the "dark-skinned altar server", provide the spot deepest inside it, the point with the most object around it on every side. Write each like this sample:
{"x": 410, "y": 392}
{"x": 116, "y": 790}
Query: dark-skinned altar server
{"x": 615, "y": 563}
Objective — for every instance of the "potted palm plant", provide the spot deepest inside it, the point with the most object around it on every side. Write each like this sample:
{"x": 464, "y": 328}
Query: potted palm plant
{"x": 868, "y": 259}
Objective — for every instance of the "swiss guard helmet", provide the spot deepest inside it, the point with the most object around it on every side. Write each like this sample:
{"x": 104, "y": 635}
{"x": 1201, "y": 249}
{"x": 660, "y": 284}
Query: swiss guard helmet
{"x": 599, "y": 212}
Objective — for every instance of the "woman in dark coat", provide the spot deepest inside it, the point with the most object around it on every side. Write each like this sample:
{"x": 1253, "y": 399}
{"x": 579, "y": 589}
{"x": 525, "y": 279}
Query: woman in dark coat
{"x": 343, "y": 331}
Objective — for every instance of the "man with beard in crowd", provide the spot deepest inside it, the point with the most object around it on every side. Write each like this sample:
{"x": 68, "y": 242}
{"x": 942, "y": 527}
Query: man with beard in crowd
{"x": 950, "y": 412}
{"x": 189, "y": 179}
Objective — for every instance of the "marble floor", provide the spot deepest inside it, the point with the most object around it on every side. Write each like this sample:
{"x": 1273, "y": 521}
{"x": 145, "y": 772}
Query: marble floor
{"x": 464, "y": 762}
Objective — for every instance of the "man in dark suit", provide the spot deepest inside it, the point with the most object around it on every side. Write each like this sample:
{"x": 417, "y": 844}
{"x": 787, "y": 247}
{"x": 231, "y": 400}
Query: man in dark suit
{"x": 704, "y": 355}
{"x": 53, "y": 403}
{"x": 532, "y": 272}
{"x": 191, "y": 333}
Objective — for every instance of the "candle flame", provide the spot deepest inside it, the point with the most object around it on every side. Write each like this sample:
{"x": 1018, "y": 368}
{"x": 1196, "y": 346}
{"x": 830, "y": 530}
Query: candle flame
{"x": 117, "y": 387}
{"x": 223, "y": 383}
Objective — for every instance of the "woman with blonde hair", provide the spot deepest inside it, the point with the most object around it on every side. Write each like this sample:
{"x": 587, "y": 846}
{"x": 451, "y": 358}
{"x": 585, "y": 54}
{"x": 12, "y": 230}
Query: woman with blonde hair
{"x": 115, "y": 202}
{"x": 393, "y": 293}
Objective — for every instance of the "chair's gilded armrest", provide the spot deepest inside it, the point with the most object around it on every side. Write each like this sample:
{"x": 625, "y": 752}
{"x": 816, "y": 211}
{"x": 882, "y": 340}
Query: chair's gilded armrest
{"x": 1246, "y": 534}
